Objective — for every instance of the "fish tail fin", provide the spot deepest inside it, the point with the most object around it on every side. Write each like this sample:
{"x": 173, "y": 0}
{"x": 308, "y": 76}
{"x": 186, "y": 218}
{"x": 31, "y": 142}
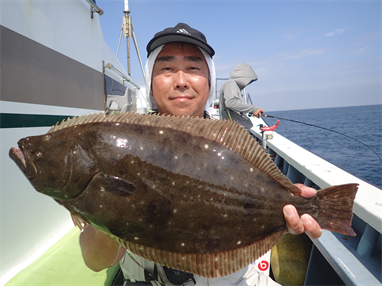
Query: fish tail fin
{"x": 336, "y": 208}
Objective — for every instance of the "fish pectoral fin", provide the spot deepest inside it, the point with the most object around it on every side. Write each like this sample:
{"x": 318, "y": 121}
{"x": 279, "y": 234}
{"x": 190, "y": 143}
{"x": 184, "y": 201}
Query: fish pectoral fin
{"x": 78, "y": 221}
{"x": 112, "y": 184}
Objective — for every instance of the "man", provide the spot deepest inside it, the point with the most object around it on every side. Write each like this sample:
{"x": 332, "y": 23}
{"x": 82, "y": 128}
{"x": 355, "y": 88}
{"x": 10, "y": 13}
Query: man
{"x": 232, "y": 106}
{"x": 180, "y": 81}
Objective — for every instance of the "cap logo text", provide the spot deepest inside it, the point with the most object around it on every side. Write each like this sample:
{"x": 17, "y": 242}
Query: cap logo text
{"x": 183, "y": 31}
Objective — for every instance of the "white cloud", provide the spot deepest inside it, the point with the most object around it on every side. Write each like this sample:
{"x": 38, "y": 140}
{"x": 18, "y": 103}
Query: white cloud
{"x": 305, "y": 53}
{"x": 336, "y": 32}
{"x": 313, "y": 39}
{"x": 289, "y": 36}
{"x": 361, "y": 50}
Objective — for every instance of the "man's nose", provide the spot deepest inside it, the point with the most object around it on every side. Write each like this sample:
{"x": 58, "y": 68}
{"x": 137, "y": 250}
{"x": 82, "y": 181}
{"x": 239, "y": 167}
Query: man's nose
{"x": 181, "y": 80}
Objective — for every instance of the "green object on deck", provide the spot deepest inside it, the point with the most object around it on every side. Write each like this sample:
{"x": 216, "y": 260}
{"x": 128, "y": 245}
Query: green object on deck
{"x": 290, "y": 259}
{"x": 62, "y": 264}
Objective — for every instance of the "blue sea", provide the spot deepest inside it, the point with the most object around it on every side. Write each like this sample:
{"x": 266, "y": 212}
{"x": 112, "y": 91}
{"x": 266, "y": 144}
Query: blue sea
{"x": 364, "y": 123}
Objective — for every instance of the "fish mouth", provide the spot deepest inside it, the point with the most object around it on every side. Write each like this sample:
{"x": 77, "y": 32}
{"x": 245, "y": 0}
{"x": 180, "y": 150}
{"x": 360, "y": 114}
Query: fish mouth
{"x": 21, "y": 159}
{"x": 18, "y": 156}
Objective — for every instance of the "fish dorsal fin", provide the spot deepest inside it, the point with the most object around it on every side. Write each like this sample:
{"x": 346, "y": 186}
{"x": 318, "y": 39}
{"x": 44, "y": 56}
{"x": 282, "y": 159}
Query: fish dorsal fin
{"x": 226, "y": 132}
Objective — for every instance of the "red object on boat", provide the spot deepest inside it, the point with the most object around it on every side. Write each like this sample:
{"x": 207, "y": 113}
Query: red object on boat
{"x": 270, "y": 128}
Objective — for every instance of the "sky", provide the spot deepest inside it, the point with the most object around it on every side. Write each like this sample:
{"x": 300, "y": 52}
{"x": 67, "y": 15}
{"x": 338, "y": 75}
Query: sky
{"x": 306, "y": 54}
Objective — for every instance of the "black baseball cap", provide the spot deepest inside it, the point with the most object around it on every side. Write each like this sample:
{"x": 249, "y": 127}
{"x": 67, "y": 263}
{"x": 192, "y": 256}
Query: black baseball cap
{"x": 180, "y": 33}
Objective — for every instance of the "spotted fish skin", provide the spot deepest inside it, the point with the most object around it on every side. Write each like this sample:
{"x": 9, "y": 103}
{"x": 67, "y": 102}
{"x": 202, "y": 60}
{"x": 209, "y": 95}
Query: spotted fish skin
{"x": 193, "y": 194}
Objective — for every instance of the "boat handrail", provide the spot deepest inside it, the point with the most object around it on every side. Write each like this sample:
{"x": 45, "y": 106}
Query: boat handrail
{"x": 124, "y": 77}
{"x": 95, "y": 7}
{"x": 246, "y": 96}
{"x": 216, "y": 85}
{"x": 351, "y": 258}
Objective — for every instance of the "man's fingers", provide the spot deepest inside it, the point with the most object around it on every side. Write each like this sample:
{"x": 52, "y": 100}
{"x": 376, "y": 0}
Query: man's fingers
{"x": 297, "y": 225}
{"x": 312, "y": 228}
{"x": 306, "y": 192}
{"x": 293, "y": 222}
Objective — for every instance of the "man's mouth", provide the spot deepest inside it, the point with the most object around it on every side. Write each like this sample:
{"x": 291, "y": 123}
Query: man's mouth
{"x": 181, "y": 98}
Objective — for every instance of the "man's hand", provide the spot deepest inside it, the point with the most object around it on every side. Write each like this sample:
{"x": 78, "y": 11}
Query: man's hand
{"x": 297, "y": 225}
{"x": 258, "y": 112}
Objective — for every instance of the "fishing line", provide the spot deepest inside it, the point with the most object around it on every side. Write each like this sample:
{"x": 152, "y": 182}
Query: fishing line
{"x": 270, "y": 116}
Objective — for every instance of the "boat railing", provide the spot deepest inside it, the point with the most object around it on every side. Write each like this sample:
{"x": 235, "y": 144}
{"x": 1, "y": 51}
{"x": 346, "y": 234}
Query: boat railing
{"x": 95, "y": 8}
{"x": 216, "y": 85}
{"x": 124, "y": 77}
{"x": 134, "y": 98}
{"x": 246, "y": 96}
{"x": 352, "y": 260}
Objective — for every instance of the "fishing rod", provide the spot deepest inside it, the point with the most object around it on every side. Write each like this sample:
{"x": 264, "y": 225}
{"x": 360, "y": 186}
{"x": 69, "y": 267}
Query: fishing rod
{"x": 270, "y": 116}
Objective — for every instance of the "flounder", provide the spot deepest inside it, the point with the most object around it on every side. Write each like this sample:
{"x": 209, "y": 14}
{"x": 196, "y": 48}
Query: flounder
{"x": 193, "y": 194}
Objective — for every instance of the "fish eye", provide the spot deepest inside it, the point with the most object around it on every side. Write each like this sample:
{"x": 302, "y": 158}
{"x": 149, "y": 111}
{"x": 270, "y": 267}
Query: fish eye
{"x": 37, "y": 156}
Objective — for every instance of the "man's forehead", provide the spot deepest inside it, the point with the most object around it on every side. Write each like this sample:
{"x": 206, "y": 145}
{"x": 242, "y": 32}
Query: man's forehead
{"x": 185, "y": 51}
{"x": 173, "y": 58}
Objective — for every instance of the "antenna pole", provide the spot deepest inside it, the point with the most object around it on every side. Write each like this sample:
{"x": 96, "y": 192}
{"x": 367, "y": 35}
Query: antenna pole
{"x": 127, "y": 33}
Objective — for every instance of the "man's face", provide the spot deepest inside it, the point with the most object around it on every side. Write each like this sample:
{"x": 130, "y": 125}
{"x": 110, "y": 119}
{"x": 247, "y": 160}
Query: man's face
{"x": 180, "y": 82}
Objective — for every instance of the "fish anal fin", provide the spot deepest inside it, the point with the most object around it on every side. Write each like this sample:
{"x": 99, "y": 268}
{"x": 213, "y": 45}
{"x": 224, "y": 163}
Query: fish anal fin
{"x": 206, "y": 265}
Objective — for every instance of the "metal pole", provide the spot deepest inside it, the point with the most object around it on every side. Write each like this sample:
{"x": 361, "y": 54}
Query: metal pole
{"x": 139, "y": 56}
{"x": 95, "y": 7}
{"x": 119, "y": 42}
{"x": 264, "y": 140}
{"x": 367, "y": 242}
{"x": 127, "y": 34}
{"x": 216, "y": 85}
{"x": 216, "y": 88}
{"x": 128, "y": 79}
